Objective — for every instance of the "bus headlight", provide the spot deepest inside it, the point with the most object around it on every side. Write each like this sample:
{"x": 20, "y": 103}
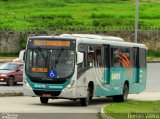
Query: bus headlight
{"x": 27, "y": 84}
{"x": 70, "y": 85}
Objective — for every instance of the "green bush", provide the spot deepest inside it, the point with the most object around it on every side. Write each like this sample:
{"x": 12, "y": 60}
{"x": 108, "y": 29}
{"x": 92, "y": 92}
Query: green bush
{"x": 22, "y": 42}
{"x": 154, "y": 53}
{"x": 9, "y": 54}
{"x": 102, "y": 15}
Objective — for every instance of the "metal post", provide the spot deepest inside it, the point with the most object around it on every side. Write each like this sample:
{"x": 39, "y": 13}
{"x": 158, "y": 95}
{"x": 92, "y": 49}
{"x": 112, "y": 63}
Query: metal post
{"x": 136, "y": 22}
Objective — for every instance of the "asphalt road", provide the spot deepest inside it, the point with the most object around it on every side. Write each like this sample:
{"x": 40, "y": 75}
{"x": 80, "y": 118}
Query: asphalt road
{"x": 9, "y": 89}
{"x": 64, "y": 108}
{"x": 153, "y": 77}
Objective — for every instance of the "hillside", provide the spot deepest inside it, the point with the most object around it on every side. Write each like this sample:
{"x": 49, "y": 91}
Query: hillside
{"x": 78, "y": 14}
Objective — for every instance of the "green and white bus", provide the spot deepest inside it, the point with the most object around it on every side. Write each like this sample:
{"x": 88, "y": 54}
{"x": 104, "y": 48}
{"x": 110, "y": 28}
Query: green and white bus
{"x": 82, "y": 66}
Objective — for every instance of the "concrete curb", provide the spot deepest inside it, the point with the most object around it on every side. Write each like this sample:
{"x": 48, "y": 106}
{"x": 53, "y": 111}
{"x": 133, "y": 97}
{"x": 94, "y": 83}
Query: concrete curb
{"x": 153, "y": 62}
{"x": 102, "y": 115}
{"x": 9, "y": 94}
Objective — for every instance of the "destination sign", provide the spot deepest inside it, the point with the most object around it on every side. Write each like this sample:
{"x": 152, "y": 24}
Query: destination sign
{"x": 39, "y": 69}
{"x": 51, "y": 43}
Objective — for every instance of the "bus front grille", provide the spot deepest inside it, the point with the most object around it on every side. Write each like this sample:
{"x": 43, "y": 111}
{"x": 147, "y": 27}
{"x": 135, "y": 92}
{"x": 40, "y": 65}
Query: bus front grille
{"x": 52, "y": 93}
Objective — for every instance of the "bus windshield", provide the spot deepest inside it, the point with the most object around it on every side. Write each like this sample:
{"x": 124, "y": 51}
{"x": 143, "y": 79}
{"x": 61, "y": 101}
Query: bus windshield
{"x": 40, "y": 62}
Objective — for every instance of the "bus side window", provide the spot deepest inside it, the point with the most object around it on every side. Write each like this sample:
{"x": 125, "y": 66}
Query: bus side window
{"x": 98, "y": 56}
{"x": 142, "y": 58}
{"x": 90, "y": 56}
{"x": 115, "y": 59}
{"x": 121, "y": 57}
{"x": 126, "y": 58}
{"x": 136, "y": 57}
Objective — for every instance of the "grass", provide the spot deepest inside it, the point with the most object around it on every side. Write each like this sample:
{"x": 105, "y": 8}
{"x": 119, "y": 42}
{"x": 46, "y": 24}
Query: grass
{"x": 77, "y": 14}
{"x": 126, "y": 109}
{"x": 3, "y": 55}
{"x": 154, "y": 53}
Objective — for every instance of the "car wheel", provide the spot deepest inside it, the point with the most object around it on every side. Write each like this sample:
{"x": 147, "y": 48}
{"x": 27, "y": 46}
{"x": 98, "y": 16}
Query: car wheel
{"x": 10, "y": 81}
{"x": 15, "y": 83}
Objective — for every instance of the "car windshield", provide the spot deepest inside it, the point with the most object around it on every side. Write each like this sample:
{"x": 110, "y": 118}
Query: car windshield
{"x": 8, "y": 66}
{"x": 41, "y": 61}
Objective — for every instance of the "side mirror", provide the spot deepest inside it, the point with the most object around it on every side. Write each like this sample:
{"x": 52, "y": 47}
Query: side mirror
{"x": 22, "y": 55}
{"x": 80, "y": 57}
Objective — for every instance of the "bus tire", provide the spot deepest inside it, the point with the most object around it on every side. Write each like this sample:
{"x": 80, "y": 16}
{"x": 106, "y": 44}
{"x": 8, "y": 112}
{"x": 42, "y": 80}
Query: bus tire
{"x": 124, "y": 96}
{"x": 91, "y": 90}
{"x": 44, "y": 100}
{"x": 85, "y": 101}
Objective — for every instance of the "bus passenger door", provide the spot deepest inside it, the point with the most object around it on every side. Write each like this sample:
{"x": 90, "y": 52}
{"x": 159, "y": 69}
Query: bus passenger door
{"x": 107, "y": 59}
{"x": 136, "y": 64}
{"x": 116, "y": 71}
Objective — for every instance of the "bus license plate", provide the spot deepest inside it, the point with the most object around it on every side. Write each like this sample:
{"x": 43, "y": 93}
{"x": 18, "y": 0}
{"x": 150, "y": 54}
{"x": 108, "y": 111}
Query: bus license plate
{"x": 46, "y": 95}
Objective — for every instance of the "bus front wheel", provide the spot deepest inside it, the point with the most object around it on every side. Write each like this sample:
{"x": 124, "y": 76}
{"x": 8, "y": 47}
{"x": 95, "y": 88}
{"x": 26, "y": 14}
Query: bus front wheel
{"x": 85, "y": 101}
{"x": 44, "y": 100}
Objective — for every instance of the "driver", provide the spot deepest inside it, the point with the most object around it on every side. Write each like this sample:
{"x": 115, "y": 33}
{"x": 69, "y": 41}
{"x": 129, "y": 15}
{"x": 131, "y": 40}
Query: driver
{"x": 40, "y": 61}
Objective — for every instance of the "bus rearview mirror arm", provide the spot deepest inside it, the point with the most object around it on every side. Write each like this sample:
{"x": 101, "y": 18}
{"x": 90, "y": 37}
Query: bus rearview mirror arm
{"x": 22, "y": 55}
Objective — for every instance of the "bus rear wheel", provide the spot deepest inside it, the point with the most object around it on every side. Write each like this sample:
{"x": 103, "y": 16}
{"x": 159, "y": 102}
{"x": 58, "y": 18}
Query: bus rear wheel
{"x": 44, "y": 100}
{"x": 124, "y": 96}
